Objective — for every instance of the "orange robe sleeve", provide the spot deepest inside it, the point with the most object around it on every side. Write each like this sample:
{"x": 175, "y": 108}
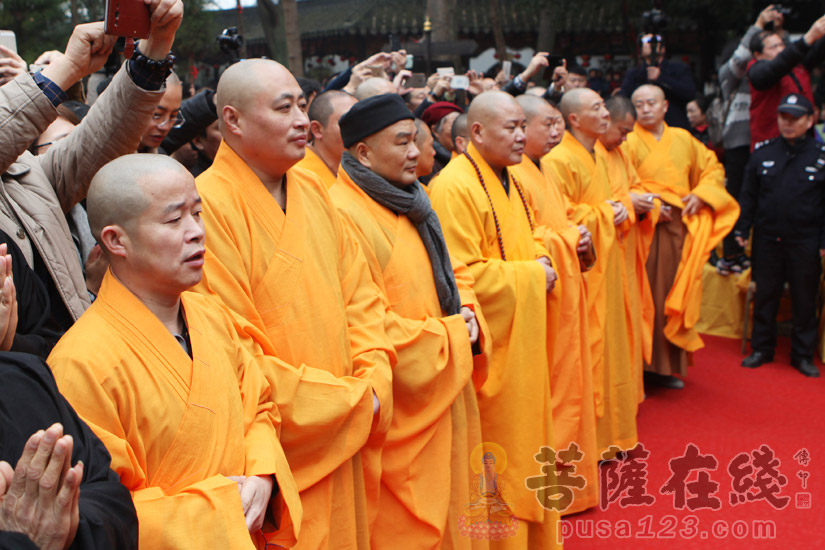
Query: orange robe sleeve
{"x": 583, "y": 178}
{"x": 571, "y": 374}
{"x": 639, "y": 303}
{"x": 567, "y": 166}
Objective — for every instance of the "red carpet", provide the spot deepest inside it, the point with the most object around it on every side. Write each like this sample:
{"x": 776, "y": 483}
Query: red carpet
{"x": 724, "y": 410}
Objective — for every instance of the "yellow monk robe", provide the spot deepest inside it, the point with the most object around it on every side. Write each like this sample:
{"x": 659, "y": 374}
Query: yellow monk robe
{"x": 674, "y": 166}
{"x": 425, "y": 466}
{"x": 571, "y": 374}
{"x": 303, "y": 284}
{"x": 583, "y": 179}
{"x": 317, "y": 166}
{"x": 639, "y": 302}
{"x": 175, "y": 427}
{"x": 515, "y": 402}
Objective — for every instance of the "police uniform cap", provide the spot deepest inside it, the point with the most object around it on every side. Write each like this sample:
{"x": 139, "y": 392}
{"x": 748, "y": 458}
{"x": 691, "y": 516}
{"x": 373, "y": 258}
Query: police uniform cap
{"x": 796, "y": 105}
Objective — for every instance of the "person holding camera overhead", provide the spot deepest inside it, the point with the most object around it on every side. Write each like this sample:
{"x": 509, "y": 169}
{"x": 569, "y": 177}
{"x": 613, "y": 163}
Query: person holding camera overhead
{"x": 38, "y": 191}
{"x": 777, "y": 70}
{"x": 671, "y": 76}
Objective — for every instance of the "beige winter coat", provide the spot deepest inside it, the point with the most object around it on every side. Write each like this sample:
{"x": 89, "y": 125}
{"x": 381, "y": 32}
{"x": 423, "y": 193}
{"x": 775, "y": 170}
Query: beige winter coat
{"x": 37, "y": 191}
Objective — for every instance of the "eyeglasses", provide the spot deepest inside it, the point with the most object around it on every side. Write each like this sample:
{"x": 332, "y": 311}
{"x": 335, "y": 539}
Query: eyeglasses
{"x": 163, "y": 119}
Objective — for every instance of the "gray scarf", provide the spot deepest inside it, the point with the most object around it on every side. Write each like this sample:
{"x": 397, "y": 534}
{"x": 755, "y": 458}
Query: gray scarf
{"x": 413, "y": 202}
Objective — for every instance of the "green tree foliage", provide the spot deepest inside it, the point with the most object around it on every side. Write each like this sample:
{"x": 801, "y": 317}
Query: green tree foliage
{"x": 197, "y": 34}
{"x": 39, "y": 25}
{"x": 42, "y": 25}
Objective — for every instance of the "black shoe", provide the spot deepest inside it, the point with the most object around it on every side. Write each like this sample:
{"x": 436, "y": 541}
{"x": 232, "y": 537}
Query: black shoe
{"x": 756, "y": 359}
{"x": 664, "y": 380}
{"x": 806, "y": 367}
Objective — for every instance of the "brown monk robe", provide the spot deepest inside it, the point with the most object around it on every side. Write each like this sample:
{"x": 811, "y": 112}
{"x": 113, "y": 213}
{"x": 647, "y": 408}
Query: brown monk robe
{"x": 697, "y": 212}
{"x": 579, "y": 167}
{"x": 571, "y": 373}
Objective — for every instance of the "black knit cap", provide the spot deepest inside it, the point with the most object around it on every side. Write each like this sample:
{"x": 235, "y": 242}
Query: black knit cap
{"x": 372, "y": 115}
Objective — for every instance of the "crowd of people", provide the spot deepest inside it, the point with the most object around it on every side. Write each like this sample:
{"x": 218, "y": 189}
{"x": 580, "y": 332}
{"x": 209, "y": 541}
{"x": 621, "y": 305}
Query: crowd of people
{"x": 362, "y": 315}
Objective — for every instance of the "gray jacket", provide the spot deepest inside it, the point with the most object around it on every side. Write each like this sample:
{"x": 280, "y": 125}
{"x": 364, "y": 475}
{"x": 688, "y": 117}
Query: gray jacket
{"x": 37, "y": 191}
{"x": 736, "y": 94}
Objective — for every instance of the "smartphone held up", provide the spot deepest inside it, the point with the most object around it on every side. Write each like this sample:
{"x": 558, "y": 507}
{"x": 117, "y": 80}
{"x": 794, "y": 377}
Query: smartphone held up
{"x": 129, "y": 18}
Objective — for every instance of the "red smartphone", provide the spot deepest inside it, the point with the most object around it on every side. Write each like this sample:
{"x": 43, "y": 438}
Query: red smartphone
{"x": 129, "y": 18}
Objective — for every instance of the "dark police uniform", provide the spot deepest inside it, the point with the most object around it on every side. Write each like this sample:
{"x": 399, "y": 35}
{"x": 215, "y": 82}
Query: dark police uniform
{"x": 783, "y": 199}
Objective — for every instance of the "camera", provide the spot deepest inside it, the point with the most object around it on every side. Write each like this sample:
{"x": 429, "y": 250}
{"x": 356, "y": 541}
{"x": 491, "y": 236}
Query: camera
{"x": 653, "y": 21}
{"x": 779, "y": 8}
{"x": 230, "y": 41}
{"x": 784, "y": 10}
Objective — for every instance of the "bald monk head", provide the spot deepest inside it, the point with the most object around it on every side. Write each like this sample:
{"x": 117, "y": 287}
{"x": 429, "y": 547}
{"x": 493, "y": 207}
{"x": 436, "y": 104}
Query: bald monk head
{"x": 460, "y": 134}
{"x": 424, "y": 142}
{"x": 545, "y": 126}
{"x": 325, "y": 134}
{"x": 144, "y": 211}
{"x": 374, "y": 86}
{"x": 585, "y": 115}
{"x": 538, "y": 91}
{"x": 488, "y": 84}
{"x": 651, "y": 106}
{"x": 165, "y": 116}
{"x": 497, "y": 129}
{"x": 261, "y": 116}
{"x": 622, "y": 119}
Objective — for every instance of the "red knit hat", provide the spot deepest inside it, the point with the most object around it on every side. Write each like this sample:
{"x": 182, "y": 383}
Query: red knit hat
{"x": 437, "y": 111}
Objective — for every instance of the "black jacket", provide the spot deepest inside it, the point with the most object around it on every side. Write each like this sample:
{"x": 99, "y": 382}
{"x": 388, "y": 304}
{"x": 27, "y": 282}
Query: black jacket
{"x": 677, "y": 82}
{"x": 765, "y": 74}
{"x": 29, "y": 401}
{"x": 37, "y": 330}
{"x": 783, "y": 192}
{"x": 198, "y": 113}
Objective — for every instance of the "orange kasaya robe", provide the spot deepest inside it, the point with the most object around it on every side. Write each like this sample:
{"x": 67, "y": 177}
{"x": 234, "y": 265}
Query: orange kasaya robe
{"x": 673, "y": 166}
{"x": 304, "y": 286}
{"x": 176, "y": 426}
{"x": 425, "y": 466}
{"x": 634, "y": 233}
{"x": 582, "y": 177}
{"x": 515, "y": 401}
{"x": 571, "y": 374}
{"x": 313, "y": 163}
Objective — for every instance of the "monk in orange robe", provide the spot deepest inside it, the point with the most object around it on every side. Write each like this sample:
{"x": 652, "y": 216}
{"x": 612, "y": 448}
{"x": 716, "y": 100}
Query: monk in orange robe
{"x": 325, "y": 148}
{"x": 571, "y": 375}
{"x": 579, "y": 167}
{"x": 279, "y": 256}
{"x": 160, "y": 375}
{"x": 697, "y": 213}
{"x": 431, "y": 322}
{"x": 488, "y": 226}
{"x": 636, "y": 230}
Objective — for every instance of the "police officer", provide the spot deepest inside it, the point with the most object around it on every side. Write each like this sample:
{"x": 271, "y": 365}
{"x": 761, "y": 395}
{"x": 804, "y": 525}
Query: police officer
{"x": 783, "y": 199}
